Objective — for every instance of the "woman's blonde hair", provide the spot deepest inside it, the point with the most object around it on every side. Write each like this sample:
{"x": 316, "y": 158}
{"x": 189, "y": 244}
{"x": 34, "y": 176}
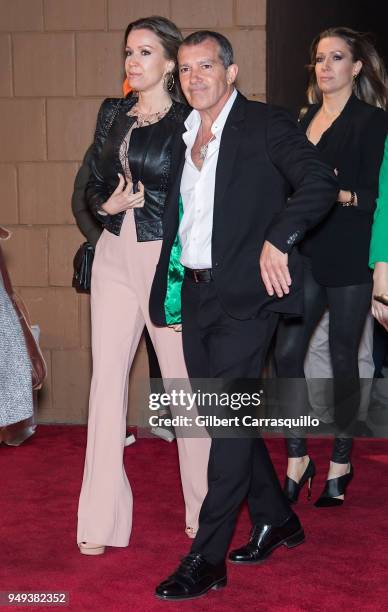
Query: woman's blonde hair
{"x": 371, "y": 83}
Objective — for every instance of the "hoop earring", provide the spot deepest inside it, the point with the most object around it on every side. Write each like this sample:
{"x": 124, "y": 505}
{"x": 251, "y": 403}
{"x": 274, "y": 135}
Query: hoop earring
{"x": 169, "y": 81}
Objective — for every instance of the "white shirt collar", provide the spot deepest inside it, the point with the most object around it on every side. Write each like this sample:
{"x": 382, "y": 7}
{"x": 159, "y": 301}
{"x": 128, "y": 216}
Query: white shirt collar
{"x": 194, "y": 119}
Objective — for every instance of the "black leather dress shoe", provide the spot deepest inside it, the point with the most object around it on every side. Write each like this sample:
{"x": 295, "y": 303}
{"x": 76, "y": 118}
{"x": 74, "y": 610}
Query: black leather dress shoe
{"x": 193, "y": 578}
{"x": 265, "y": 538}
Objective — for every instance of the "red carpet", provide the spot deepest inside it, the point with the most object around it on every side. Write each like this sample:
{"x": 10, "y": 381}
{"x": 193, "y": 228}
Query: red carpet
{"x": 342, "y": 565}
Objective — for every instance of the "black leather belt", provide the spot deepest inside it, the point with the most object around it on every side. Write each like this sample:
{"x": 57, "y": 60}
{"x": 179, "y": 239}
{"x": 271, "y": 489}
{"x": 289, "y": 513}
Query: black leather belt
{"x": 199, "y": 276}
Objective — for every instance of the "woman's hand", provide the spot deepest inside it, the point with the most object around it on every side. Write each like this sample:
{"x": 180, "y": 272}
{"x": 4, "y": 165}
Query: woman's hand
{"x": 176, "y": 327}
{"x": 123, "y": 198}
{"x": 345, "y": 196}
{"x": 380, "y": 287}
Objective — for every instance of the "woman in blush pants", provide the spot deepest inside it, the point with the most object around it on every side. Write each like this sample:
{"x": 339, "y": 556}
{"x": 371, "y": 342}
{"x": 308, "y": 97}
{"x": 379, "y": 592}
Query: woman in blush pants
{"x": 130, "y": 169}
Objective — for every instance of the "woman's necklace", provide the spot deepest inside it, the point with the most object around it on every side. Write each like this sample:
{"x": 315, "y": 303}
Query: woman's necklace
{"x": 149, "y": 118}
{"x": 204, "y": 147}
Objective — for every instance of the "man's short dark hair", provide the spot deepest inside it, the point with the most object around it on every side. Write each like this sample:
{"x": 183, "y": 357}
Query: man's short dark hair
{"x": 226, "y": 49}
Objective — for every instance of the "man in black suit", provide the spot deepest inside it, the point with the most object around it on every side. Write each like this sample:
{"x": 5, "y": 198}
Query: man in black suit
{"x": 250, "y": 183}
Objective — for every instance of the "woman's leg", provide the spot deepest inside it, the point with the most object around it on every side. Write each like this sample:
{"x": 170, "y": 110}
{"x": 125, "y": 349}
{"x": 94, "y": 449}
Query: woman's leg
{"x": 193, "y": 451}
{"x": 105, "y": 505}
{"x": 317, "y": 365}
{"x": 348, "y": 307}
{"x": 293, "y": 335}
{"x": 163, "y": 430}
{"x": 291, "y": 346}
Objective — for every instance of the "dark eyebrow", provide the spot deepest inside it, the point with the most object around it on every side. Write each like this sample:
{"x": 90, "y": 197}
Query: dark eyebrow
{"x": 140, "y": 47}
{"x": 337, "y": 51}
{"x": 201, "y": 61}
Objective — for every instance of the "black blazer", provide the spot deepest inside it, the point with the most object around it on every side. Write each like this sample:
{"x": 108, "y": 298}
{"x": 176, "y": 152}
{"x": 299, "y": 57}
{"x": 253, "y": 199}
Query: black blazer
{"x": 263, "y": 160}
{"x": 354, "y": 144}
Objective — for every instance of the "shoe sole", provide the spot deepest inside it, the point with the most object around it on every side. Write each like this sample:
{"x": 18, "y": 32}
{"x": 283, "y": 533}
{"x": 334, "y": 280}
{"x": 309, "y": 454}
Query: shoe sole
{"x": 334, "y": 503}
{"x": 92, "y": 551}
{"x": 220, "y": 584}
{"x": 290, "y": 542}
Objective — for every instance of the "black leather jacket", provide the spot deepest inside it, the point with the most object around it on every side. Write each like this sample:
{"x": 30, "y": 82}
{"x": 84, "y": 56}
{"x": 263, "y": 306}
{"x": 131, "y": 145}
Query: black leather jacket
{"x": 149, "y": 158}
{"x": 86, "y": 222}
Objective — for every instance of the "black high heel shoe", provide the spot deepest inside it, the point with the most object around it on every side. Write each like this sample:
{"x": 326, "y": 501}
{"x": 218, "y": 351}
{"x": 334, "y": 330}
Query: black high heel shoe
{"x": 333, "y": 488}
{"x": 292, "y": 488}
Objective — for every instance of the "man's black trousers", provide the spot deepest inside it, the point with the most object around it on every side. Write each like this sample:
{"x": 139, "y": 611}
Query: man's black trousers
{"x": 219, "y": 346}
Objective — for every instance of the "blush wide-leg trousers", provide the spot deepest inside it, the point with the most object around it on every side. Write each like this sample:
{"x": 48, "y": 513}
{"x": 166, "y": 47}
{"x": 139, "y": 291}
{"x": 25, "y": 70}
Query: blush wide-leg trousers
{"x": 123, "y": 271}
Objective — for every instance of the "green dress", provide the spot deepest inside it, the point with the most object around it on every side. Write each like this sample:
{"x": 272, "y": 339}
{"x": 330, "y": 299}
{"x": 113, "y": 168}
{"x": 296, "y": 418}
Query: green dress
{"x": 379, "y": 242}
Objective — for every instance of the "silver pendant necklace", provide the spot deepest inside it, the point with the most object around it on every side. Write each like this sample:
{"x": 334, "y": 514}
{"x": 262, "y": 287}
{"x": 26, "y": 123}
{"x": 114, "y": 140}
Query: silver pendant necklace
{"x": 203, "y": 148}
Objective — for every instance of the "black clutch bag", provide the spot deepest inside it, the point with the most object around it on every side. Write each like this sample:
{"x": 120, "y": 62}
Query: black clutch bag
{"x": 82, "y": 264}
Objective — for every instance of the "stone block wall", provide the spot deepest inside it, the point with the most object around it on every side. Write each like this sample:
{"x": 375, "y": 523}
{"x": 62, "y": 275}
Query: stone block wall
{"x": 58, "y": 60}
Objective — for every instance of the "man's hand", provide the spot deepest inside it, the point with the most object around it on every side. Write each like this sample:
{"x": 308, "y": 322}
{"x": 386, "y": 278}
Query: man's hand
{"x": 124, "y": 198}
{"x": 274, "y": 270}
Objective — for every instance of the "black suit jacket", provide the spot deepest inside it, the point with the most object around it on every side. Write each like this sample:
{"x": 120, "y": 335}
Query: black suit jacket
{"x": 354, "y": 144}
{"x": 270, "y": 184}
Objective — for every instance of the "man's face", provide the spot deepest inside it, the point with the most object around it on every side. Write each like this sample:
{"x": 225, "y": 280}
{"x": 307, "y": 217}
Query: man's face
{"x": 204, "y": 79}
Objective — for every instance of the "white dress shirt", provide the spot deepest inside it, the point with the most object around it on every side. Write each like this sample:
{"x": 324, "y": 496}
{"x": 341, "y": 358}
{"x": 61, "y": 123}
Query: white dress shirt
{"x": 197, "y": 191}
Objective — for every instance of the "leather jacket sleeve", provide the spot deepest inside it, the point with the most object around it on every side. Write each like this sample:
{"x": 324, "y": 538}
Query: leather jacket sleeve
{"x": 85, "y": 220}
{"x": 96, "y": 190}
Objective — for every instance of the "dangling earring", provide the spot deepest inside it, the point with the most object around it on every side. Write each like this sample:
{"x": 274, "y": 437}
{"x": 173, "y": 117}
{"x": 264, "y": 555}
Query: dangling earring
{"x": 354, "y": 84}
{"x": 169, "y": 81}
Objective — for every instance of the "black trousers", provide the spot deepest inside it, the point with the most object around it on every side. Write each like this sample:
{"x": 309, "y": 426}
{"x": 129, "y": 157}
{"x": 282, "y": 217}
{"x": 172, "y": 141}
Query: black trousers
{"x": 348, "y": 308}
{"x": 217, "y": 346}
{"x": 380, "y": 349}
